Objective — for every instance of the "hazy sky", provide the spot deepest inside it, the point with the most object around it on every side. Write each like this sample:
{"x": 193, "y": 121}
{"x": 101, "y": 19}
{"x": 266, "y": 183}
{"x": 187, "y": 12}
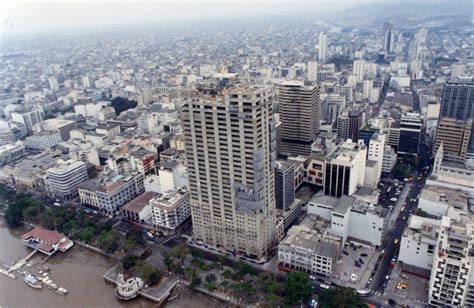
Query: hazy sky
{"x": 19, "y": 17}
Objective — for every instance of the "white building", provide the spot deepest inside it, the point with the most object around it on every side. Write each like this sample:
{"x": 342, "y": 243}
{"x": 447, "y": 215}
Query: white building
{"x": 53, "y": 84}
{"x": 376, "y": 152}
{"x": 62, "y": 181}
{"x": 351, "y": 218}
{"x": 46, "y": 139}
{"x": 418, "y": 244}
{"x": 309, "y": 249}
{"x": 11, "y": 152}
{"x": 64, "y": 126}
{"x": 28, "y": 118}
{"x": 345, "y": 168}
{"x": 110, "y": 193}
{"x": 323, "y": 48}
{"x": 312, "y": 71}
{"x": 358, "y": 69}
{"x": 170, "y": 209}
{"x": 389, "y": 159}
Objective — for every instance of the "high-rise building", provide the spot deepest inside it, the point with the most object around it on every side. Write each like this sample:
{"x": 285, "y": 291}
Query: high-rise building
{"x": 313, "y": 71}
{"x": 29, "y": 118}
{"x": 345, "y": 168}
{"x": 389, "y": 38}
{"x": 358, "y": 69}
{"x": 230, "y": 150}
{"x": 458, "y": 70}
{"x": 53, "y": 84}
{"x": 450, "y": 276}
{"x": 299, "y": 109}
{"x": 457, "y": 102}
{"x": 284, "y": 184}
{"x": 376, "y": 151}
{"x": 455, "y": 137}
{"x": 323, "y": 47}
{"x": 410, "y": 131}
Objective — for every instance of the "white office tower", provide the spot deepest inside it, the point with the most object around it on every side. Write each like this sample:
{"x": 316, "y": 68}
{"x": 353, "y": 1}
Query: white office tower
{"x": 458, "y": 70}
{"x": 450, "y": 280}
{"x": 376, "y": 152}
{"x": 53, "y": 84}
{"x": 230, "y": 148}
{"x": 358, "y": 69}
{"x": 323, "y": 47}
{"x": 312, "y": 71}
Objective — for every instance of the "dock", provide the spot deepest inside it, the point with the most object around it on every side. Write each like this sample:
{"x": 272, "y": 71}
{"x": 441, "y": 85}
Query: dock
{"x": 22, "y": 261}
{"x": 156, "y": 295}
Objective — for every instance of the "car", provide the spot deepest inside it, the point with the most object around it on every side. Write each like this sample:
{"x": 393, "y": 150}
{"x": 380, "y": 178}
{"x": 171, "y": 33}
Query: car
{"x": 394, "y": 260}
{"x": 361, "y": 261}
{"x": 354, "y": 277}
{"x": 312, "y": 277}
{"x": 363, "y": 254}
{"x": 395, "y": 241}
{"x": 393, "y": 199}
{"x": 387, "y": 277}
{"x": 391, "y": 302}
{"x": 324, "y": 286}
{"x": 357, "y": 264}
{"x": 404, "y": 276}
{"x": 345, "y": 252}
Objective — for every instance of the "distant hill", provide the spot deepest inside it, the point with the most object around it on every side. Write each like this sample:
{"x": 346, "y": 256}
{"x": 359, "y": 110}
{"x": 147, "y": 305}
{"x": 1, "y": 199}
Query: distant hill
{"x": 404, "y": 13}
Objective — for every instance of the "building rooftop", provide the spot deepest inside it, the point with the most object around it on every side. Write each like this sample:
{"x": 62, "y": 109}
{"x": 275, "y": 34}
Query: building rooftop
{"x": 136, "y": 205}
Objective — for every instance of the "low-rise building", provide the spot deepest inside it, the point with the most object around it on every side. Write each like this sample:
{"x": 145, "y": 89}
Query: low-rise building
{"x": 139, "y": 210}
{"x": 170, "y": 209}
{"x": 44, "y": 140}
{"x": 62, "y": 181}
{"x": 310, "y": 248}
{"x": 351, "y": 218}
{"x": 111, "y": 192}
{"x": 12, "y": 152}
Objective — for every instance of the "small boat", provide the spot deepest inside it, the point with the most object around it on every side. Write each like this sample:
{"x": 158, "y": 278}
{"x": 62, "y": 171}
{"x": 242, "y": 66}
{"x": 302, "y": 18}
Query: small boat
{"x": 62, "y": 291}
{"x": 32, "y": 282}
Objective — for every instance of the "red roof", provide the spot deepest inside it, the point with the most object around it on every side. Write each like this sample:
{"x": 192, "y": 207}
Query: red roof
{"x": 43, "y": 235}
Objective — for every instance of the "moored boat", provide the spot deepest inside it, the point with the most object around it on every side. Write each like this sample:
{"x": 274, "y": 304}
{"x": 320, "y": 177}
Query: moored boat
{"x": 32, "y": 282}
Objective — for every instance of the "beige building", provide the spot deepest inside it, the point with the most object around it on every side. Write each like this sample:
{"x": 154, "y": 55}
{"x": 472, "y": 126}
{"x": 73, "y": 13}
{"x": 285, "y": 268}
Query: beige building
{"x": 455, "y": 138}
{"x": 230, "y": 149}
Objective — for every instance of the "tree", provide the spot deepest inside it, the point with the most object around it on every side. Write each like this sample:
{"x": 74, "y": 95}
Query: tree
{"x": 180, "y": 251}
{"x": 341, "y": 298}
{"x": 245, "y": 268}
{"x": 31, "y": 214}
{"x": 298, "y": 287}
{"x": 148, "y": 273}
{"x": 109, "y": 241}
{"x": 14, "y": 215}
{"x": 168, "y": 261}
{"x": 128, "y": 262}
{"x": 87, "y": 234}
{"x": 121, "y": 104}
{"x": 135, "y": 238}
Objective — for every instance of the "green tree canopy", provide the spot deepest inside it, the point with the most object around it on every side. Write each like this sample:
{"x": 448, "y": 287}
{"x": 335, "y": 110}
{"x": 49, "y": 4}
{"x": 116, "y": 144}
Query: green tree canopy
{"x": 298, "y": 287}
{"x": 180, "y": 251}
{"x": 128, "y": 262}
{"x": 341, "y": 298}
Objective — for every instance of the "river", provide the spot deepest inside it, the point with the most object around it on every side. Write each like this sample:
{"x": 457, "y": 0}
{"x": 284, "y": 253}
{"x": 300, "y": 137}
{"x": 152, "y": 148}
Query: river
{"x": 79, "y": 270}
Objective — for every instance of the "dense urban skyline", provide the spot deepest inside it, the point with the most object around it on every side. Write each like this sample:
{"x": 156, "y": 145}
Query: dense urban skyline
{"x": 207, "y": 154}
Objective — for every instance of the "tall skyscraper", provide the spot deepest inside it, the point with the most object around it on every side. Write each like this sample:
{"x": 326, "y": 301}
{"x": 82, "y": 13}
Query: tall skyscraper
{"x": 457, "y": 102}
{"x": 313, "y": 71}
{"x": 230, "y": 149}
{"x": 358, "y": 69}
{"x": 389, "y": 38}
{"x": 299, "y": 108}
{"x": 323, "y": 47}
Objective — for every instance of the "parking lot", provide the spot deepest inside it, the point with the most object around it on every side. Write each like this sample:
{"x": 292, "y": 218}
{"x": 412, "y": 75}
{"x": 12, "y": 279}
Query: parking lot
{"x": 407, "y": 289}
{"x": 354, "y": 267}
